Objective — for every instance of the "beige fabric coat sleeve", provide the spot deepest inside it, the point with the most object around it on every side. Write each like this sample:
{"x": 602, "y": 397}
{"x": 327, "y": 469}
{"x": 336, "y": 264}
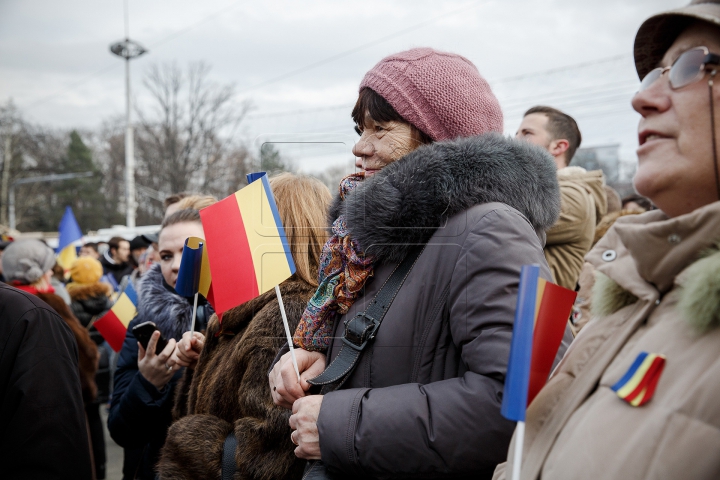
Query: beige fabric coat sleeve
{"x": 583, "y": 203}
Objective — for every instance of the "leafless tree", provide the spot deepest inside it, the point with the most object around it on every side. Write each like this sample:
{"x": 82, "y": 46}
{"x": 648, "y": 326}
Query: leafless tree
{"x": 186, "y": 137}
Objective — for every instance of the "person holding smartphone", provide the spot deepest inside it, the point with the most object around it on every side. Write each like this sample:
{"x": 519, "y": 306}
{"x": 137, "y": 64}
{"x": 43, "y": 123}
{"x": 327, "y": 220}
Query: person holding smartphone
{"x": 145, "y": 378}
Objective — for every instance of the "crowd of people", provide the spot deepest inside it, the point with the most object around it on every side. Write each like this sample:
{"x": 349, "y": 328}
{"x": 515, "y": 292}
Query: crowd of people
{"x": 403, "y": 302}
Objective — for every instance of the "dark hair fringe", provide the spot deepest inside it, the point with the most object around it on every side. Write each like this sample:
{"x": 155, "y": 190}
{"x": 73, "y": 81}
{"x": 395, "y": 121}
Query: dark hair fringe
{"x": 372, "y": 103}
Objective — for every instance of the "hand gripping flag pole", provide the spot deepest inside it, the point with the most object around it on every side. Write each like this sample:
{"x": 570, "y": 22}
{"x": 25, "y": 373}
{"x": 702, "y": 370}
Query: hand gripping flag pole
{"x": 541, "y": 316}
{"x": 287, "y": 331}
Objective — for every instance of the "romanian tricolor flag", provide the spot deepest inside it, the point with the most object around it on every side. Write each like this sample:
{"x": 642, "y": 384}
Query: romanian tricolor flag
{"x": 69, "y": 232}
{"x": 246, "y": 245}
{"x": 541, "y": 316}
{"x": 113, "y": 325}
{"x": 194, "y": 273}
{"x": 638, "y": 384}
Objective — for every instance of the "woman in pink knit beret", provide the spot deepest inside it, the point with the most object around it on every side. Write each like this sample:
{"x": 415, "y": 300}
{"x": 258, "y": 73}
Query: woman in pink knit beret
{"x": 428, "y": 239}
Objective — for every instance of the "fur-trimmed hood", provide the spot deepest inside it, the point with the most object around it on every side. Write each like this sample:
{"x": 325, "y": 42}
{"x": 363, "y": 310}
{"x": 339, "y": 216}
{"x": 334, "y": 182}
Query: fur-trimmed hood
{"x": 158, "y": 303}
{"x": 411, "y": 198}
{"x": 648, "y": 255}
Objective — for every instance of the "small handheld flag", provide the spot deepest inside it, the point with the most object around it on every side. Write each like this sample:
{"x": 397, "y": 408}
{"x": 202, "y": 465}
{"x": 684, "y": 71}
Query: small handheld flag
{"x": 541, "y": 316}
{"x": 247, "y": 249}
{"x": 188, "y": 279}
{"x": 194, "y": 273}
{"x": 638, "y": 384}
{"x": 113, "y": 325}
{"x": 69, "y": 232}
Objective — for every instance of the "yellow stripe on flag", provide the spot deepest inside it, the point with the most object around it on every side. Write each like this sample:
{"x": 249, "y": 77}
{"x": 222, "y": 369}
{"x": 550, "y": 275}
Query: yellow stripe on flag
{"x": 538, "y": 299}
{"x": 124, "y": 310}
{"x": 205, "y": 278}
{"x": 268, "y": 253}
{"x": 637, "y": 378}
{"x": 67, "y": 256}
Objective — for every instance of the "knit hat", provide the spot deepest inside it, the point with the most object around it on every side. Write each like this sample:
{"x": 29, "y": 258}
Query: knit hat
{"x": 441, "y": 94}
{"x": 27, "y": 261}
{"x": 86, "y": 270}
{"x": 138, "y": 243}
{"x": 658, "y": 32}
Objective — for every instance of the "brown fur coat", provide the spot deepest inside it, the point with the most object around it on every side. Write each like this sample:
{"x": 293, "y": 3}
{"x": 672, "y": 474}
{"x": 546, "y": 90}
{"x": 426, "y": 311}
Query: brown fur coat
{"x": 229, "y": 390}
{"x": 87, "y": 350}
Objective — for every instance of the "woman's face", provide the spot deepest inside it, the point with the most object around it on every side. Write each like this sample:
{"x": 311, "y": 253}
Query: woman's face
{"x": 381, "y": 143}
{"x": 675, "y": 158}
{"x": 171, "y": 243}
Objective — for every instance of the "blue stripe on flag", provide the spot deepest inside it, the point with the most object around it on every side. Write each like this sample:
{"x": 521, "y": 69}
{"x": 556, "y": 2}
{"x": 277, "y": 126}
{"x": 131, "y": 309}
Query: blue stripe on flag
{"x": 278, "y": 223}
{"x": 518, "y": 372}
{"x": 131, "y": 293}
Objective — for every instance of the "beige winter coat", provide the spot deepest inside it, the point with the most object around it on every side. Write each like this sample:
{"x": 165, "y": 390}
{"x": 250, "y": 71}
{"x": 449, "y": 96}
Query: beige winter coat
{"x": 583, "y": 204}
{"x": 658, "y": 291}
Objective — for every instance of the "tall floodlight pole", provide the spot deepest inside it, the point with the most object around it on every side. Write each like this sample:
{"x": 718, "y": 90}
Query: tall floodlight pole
{"x": 128, "y": 50}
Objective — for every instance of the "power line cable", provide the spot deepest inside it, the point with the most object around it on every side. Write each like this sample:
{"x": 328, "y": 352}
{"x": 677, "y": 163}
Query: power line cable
{"x": 359, "y": 48}
{"x": 574, "y": 66}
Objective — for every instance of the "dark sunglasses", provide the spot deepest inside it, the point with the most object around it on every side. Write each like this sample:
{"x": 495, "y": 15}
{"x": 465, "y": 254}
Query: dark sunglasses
{"x": 688, "y": 68}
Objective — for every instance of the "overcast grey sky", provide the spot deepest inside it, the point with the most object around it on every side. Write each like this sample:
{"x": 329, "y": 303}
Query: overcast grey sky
{"x": 572, "y": 54}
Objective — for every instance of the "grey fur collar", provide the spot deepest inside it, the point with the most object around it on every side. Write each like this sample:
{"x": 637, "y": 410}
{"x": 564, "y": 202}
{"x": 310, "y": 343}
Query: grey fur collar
{"x": 170, "y": 312}
{"x": 409, "y": 199}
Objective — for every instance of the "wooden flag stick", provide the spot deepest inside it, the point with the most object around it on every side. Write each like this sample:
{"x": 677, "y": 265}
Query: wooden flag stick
{"x": 192, "y": 325}
{"x": 517, "y": 457}
{"x": 287, "y": 331}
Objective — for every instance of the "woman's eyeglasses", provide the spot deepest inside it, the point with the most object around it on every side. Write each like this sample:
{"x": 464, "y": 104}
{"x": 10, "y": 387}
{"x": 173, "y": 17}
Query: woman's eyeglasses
{"x": 688, "y": 68}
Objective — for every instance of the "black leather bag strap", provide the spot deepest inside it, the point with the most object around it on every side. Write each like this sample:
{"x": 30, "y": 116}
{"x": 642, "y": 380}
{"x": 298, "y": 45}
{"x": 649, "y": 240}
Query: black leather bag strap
{"x": 228, "y": 457}
{"x": 361, "y": 329}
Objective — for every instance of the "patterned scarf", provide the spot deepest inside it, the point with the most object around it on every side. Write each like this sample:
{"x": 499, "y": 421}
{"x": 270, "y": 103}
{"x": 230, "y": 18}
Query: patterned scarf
{"x": 344, "y": 269}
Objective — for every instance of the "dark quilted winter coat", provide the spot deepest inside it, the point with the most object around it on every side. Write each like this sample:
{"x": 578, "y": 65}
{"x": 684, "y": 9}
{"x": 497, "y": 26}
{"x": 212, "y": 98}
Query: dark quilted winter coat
{"x": 424, "y": 400}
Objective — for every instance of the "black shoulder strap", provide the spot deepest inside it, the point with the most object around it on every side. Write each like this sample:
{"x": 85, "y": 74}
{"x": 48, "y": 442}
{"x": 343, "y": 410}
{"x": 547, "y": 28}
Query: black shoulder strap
{"x": 228, "y": 457}
{"x": 361, "y": 329}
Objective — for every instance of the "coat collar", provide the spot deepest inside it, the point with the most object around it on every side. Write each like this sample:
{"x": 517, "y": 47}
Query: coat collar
{"x": 645, "y": 253}
{"x": 411, "y": 198}
{"x": 159, "y": 303}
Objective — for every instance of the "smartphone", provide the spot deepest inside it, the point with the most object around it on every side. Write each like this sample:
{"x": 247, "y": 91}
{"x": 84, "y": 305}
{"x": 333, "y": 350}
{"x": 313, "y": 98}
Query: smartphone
{"x": 144, "y": 331}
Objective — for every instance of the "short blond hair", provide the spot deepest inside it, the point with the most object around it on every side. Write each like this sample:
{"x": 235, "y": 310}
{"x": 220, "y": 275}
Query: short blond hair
{"x": 196, "y": 202}
{"x": 303, "y": 203}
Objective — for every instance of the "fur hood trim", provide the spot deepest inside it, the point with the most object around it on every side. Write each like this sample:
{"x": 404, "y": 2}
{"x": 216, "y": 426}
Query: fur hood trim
{"x": 171, "y": 313}
{"x": 700, "y": 292}
{"x": 699, "y": 300}
{"x": 409, "y": 199}
{"x": 608, "y": 297}
{"x": 79, "y": 291}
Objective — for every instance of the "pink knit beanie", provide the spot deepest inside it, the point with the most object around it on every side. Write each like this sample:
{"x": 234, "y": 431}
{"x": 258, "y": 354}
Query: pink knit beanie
{"x": 442, "y": 94}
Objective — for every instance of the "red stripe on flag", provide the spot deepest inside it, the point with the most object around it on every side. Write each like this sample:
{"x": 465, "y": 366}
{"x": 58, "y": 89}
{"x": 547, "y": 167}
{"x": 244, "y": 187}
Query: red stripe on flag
{"x": 231, "y": 263}
{"x": 112, "y": 330}
{"x": 552, "y": 319}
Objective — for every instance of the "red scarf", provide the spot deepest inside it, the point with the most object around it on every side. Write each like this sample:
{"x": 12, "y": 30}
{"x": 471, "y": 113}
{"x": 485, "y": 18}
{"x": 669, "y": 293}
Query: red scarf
{"x": 32, "y": 289}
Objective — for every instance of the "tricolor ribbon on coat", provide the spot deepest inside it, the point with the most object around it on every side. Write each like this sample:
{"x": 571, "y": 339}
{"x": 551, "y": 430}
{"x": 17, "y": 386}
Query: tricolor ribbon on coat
{"x": 638, "y": 384}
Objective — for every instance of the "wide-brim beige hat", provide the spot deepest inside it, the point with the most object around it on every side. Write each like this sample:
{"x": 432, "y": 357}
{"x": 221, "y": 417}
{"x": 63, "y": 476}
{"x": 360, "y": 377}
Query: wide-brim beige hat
{"x": 659, "y": 32}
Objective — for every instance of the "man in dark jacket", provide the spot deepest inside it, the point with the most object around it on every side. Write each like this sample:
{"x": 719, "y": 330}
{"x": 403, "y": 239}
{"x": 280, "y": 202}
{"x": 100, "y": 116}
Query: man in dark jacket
{"x": 42, "y": 419}
{"x": 115, "y": 261}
